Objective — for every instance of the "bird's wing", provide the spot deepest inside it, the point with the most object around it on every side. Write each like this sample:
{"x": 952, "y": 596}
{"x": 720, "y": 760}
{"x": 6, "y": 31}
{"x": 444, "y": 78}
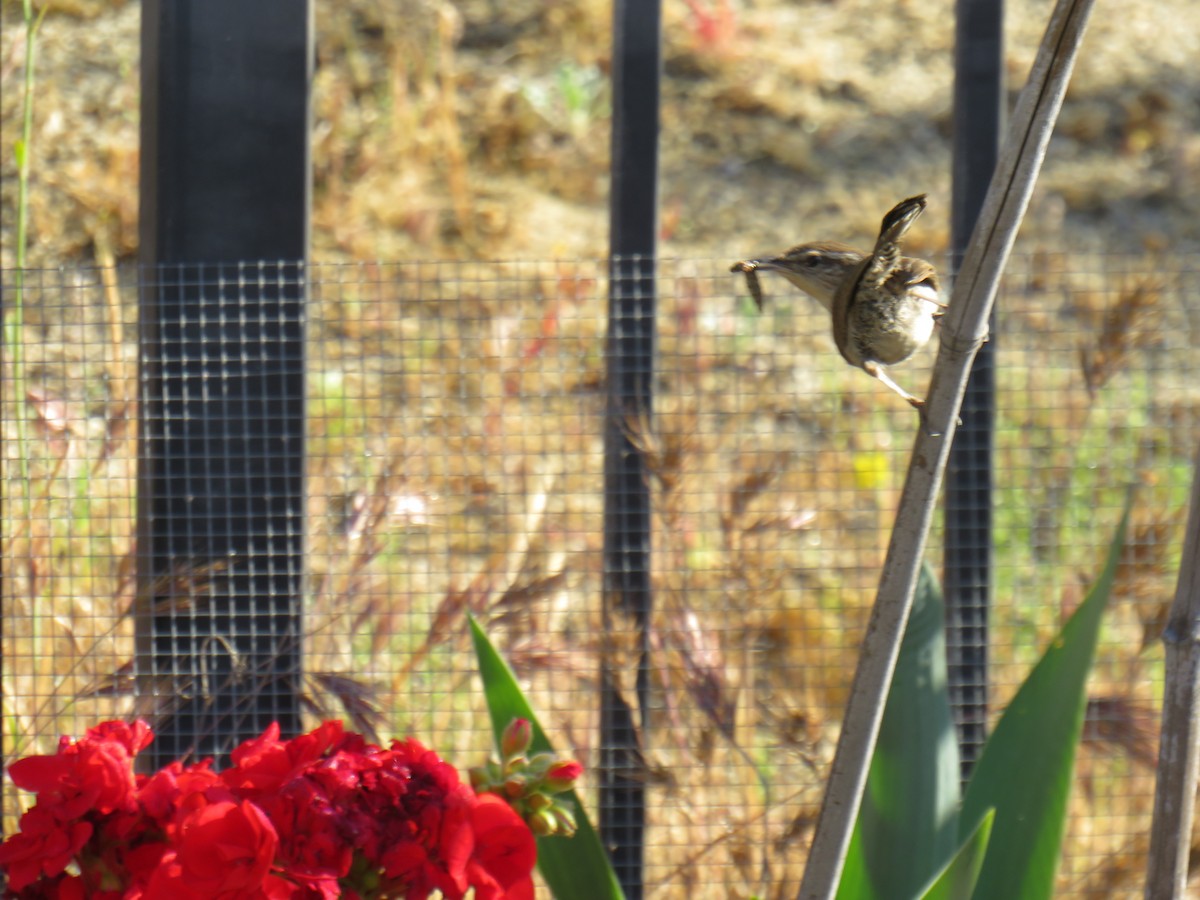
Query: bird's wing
{"x": 843, "y": 303}
{"x": 918, "y": 271}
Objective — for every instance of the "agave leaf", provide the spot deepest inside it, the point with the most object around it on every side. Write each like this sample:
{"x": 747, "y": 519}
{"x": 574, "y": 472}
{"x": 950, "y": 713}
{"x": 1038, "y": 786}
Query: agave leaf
{"x": 1026, "y": 768}
{"x": 957, "y": 881}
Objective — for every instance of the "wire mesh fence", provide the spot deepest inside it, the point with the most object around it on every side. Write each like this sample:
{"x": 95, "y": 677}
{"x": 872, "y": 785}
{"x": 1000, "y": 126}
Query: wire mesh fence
{"x": 454, "y": 440}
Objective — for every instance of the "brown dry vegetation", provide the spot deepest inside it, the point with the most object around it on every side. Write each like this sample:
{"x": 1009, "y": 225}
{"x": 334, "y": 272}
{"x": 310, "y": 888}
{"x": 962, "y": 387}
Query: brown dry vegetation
{"x": 480, "y": 129}
{"x": 455, "y": 433}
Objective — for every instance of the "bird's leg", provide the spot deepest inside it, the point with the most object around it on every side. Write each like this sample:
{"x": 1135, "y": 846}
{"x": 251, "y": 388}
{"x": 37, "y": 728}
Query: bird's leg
{"x": 875, "y": 370}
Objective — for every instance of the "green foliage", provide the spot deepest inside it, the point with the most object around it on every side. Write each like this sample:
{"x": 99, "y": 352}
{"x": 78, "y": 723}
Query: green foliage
{"x": 1016, "y": 802}
{"x": 959, "y": 878}
{"x": 577, "y": 97}
{"x": 575, "y": 867}
{"x": 1026, "y": 768}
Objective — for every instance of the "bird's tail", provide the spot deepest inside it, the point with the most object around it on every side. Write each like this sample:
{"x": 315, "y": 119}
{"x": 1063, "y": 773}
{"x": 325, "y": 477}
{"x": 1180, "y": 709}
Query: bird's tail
{"x": 887, "y": 248}
{"x": 899, "y": 220}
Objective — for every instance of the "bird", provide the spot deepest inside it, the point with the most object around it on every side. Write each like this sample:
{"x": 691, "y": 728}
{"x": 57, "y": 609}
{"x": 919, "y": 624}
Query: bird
{"x": 884, "y": 306}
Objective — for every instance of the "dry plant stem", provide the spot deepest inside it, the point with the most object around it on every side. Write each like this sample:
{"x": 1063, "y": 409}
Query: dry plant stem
{"x": 14, "y": 319}
{"x": 456, "y": 159}
{"x": 1179, "y": 743}
{"x": 965, "y": 329}
{"x": 13, "y": 349}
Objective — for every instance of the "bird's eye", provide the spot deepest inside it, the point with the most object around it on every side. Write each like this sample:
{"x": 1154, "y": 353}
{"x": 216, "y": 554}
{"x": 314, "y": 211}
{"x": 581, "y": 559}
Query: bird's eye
{"x": 810, "y": 261}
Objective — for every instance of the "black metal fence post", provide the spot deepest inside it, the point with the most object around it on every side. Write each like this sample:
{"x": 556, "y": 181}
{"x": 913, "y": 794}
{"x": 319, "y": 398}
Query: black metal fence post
{"x": 978, "y": 113}
{"x": 637, "y": 67}
{"x": 225, "y": 177}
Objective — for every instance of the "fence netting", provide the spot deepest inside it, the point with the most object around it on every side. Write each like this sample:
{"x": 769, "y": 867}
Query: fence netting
{"x": 454, "y": 441}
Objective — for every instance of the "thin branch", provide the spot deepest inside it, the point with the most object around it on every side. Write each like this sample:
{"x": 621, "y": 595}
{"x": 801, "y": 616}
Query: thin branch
{"x": 1179, "y": 743}
{"x": 965, "y": 329}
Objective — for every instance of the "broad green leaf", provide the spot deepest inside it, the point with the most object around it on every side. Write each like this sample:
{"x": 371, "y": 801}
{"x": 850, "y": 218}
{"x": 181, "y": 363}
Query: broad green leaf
{"x": 957, "y": 881}
{"x": 1026, "y": 768}
{"x": 907, "y": 827}
{"x": 575, "y": 868}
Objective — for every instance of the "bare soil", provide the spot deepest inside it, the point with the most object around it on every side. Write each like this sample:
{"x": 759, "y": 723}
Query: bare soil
{"x": 480, "y": 129}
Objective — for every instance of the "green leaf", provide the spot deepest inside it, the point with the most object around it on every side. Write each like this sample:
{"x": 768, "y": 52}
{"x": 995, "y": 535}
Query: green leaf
{"x": 957, "y": 881}
{"x": 907, "y": 826}
{"x": 575, "y": 868}
{"x": 1026, "y": 768}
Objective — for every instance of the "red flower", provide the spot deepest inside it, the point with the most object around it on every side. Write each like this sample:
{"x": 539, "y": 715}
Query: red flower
{"x": 161, "y": 795}
{"x": 42, "y": 847}
{"x": 422, "y": 835}
{"x": 65, "y": 887}
{"x": 264, "y": 763}
{"x": 313, "y": 846}
{"x": 323, "y": 816}
{"x": 142, "y": 861}
{"x": 134, "y": 736}
{"x": 260, "y": 764}
{"x": 504, "y": 853}
{"x": 276, "y": 888}
{"x": 93, "y": 774}
{"x": 224, "y": 850}
{"x": 434, "y": 858}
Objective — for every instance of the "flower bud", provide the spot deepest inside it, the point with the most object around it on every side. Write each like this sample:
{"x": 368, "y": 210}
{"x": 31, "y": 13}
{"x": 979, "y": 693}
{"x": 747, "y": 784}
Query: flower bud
{"x": 543, "y": 822}
{"x": 565, "y": 821}
{"x": 562, "y": 776}
{"x": 514, "y": 786}
{"x": 516, "y": 765}
{"x": 485, "y": 777}
{"x": 516, "y": 738}
{"x": 541, "y": 762}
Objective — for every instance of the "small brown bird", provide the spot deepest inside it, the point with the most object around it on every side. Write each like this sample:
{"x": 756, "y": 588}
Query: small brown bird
{"x": 883, "y": 305}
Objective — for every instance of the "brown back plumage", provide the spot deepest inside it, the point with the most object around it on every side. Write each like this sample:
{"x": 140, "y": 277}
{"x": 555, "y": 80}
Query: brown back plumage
{"x": 878, "y": 269}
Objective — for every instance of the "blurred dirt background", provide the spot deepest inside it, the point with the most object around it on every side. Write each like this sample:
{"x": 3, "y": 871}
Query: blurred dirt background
{"x": 480, "y": 129}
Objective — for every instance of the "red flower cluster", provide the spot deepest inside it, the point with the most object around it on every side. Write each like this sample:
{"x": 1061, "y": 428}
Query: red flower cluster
{"x": 324, "y": 815}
